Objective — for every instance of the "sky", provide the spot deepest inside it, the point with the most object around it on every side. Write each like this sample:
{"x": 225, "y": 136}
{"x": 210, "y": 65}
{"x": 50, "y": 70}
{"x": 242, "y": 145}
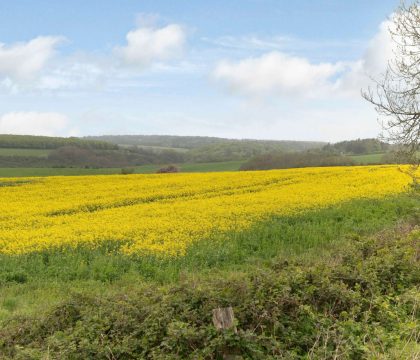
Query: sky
{"x": 263, "y": 69}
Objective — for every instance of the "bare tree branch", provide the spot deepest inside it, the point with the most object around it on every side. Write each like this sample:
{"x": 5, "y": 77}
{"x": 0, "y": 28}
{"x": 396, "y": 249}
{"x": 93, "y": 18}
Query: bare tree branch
{"x": 396, "y": 93}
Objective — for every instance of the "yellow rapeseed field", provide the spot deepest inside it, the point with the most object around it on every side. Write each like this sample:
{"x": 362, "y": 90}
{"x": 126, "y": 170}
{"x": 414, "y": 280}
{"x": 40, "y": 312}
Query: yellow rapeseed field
{"x": 165, "y": 213}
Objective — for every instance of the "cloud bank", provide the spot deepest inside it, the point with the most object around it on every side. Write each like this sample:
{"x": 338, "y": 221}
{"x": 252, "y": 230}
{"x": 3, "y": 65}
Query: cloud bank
{"x": 34, "y": 123}
{"x": 281, "y": 74}
{"x": 276, "y": 72}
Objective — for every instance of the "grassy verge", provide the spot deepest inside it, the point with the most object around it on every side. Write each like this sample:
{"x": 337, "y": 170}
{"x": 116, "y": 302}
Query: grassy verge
{"x": 357, "y": 300}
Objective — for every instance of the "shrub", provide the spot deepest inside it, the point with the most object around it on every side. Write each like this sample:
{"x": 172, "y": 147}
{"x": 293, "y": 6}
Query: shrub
{"x": 168, "y": 169}
{"x": 360, "y": 303}
{"x": 127, "y": 171}
{"x": 295, "y": 160}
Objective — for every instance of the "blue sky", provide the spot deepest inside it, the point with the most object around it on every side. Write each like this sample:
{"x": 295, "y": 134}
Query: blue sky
{"x": 242, "y": 69}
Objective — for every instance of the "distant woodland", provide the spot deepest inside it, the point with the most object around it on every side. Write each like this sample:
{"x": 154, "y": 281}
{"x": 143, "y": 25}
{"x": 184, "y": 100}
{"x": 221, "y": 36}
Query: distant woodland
{"x": 137, "y": 150}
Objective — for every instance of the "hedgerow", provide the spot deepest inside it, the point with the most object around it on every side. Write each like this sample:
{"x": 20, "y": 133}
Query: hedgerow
{"x": 359, "y": 302}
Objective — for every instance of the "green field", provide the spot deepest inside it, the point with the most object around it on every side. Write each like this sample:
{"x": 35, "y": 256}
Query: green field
{"x": 367, "y": 158}
{"x": 194, "y": 167}
{"x": 24, "y": 152}
{"x": 159, "y": 148}
{"x": 145, "y": 169}
{"x": 338, "y": 274}
{"x": 27, "y": 172}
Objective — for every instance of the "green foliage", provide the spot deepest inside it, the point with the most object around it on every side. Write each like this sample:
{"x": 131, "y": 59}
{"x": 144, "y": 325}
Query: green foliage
{"x": 47, "y": 142}
{"x": 295, "y": 160}
{"x": 137, "y": 150}
{"x": 234, "y": 150}
{"x": 195, "y": 142}
{"x": 42, "y": 153}
{"x": 127, "y": 171}
{"x": 199, "y": 149}
{"x": 401, "y": 157}
{"x": 75, "y": 156}
{"x": 168, "y": 141}
{"x": 168, "y": 169}
{"x": 358, "y": 303}
{"x": 358, "y": 147}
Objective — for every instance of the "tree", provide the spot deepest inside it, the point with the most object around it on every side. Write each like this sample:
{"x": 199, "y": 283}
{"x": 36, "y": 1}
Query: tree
{"x": 397, "y": 92}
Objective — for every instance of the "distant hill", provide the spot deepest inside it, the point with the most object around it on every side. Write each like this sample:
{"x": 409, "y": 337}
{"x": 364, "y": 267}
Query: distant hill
{"x": 166, "y": 141}
{"x": 208, "y": 149}
{"x": 295, "y": 160}
{"x": 233, "y": 150}
{"x": 118, "y": 151}
{"x": 48, "y": 142}
{"x": 194, "y": 142}
{"x": 358, "y": 147}
{"x": 26, "y": 151}
{"x": 343, "y": 153}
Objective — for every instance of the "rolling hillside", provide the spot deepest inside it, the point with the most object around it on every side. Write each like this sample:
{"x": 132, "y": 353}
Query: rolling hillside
{"x": 194, "y": 142}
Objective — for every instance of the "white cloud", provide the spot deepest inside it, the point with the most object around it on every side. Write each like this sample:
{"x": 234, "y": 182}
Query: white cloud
{"x": 24, "y": 60}
{"x": 373, "y": 62}
{"x": 34, "y": 123}
{"x": 278, "y": 73}
{"x": 380, "y": 49}
{"x": 25, "y": 67}
{"x": 146, "y": 45}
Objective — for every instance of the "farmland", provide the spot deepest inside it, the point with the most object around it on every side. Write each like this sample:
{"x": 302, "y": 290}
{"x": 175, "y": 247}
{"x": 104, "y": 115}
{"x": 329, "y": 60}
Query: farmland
{"x": 193, "y": 167}
{"x": 375, "y": 158}
{"x": 143, "y": 169}
{"x": 175, "y": 211}
{"x": 24, "y": 152}
{"x": 209, "y": 180}
{"x": 68, "y": 243}
{"x": 38, "y": 172}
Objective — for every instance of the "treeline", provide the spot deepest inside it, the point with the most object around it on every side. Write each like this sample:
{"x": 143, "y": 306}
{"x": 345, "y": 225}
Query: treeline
{"x": 136, "y": 150}
{"x": 170, "y": 141}
{"x": 358, "y": 147}
{"x": 47, "y": 142}
{"x": 204, "y": 142}
{"x": 338, "y": 154}
{"x": 209, "y": 149}
{"x": 243, "y": 150}
{"x": 71, "y": 156}
{"x": 295, "y": 160}
{"x": 74, "y": 156}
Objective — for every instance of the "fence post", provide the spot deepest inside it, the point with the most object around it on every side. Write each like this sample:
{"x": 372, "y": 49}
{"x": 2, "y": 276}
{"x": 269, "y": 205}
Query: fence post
{"x": 224, "y": 319}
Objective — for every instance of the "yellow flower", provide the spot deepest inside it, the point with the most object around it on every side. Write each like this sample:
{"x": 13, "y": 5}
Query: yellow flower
{"x": 165, "y": 213}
